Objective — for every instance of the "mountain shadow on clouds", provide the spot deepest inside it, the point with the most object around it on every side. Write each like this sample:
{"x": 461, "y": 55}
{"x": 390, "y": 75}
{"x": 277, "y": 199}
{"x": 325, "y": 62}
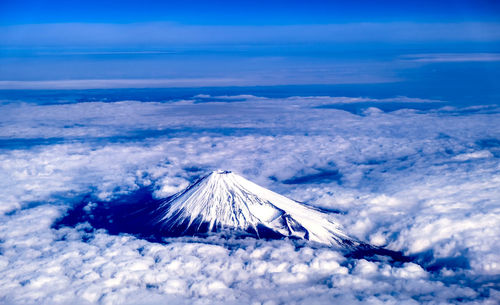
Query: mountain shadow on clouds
{"x": 134, "y": 213}
{"x": 222, "y": 204}
{"x": 128, "y": 214}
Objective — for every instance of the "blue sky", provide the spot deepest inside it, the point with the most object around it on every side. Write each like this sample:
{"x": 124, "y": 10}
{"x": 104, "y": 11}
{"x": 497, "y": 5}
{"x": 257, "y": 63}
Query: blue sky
{"x": 245, "y": 12}
{"x": 121, "y": 44}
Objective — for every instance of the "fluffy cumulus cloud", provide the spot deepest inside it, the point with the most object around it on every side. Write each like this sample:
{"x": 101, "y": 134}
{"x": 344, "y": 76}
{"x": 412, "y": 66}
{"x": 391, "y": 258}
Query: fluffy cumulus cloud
{"x": 425, "y": 182}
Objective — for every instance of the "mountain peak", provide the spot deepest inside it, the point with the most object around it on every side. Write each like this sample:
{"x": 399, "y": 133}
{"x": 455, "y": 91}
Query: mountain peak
{"x": 223, "y": 200}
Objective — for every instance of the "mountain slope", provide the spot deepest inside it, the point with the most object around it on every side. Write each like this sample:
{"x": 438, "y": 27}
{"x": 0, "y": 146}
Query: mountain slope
{"x": 223, "y": 200}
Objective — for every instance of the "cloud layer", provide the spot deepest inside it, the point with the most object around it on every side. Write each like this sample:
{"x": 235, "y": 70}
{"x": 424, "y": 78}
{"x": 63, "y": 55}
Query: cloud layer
{"x": 424, "y": 182}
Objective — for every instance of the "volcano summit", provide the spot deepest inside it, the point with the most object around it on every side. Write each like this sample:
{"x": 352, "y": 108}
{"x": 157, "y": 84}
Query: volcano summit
{"x": 220, "y": 202}
{"x": 223, "y": 200}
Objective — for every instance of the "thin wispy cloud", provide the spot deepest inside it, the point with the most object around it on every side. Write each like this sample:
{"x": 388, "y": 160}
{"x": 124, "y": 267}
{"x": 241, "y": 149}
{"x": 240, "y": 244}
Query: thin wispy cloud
{"x": 121, "y": 83}
{"x": 285, "y": 79}
{"x": 452, "y": 57}
{"x": 167, "y": 34}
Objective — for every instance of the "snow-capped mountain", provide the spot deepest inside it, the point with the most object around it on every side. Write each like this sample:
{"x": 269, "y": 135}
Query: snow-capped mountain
{"x": 223, "y": 200}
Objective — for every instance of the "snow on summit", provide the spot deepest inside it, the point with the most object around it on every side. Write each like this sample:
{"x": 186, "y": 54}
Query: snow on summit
{"x": 225, "y": 200}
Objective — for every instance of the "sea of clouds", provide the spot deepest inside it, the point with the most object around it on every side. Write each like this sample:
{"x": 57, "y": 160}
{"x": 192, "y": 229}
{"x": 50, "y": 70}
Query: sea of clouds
{"x": 424, "y": 182}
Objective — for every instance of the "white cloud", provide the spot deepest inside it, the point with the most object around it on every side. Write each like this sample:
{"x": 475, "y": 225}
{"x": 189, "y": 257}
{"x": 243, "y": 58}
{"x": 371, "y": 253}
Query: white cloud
{"x": 124, "y": 83}
{"x": 56, "y": 266}
{"x": 473, "y": 155}
{"x": 452, "y": 57}
{"x": 419, "y": 182}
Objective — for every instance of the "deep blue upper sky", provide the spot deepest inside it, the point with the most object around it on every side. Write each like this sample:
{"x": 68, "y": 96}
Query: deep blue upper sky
{"x": 245, "y": 12}
{"x": 146, "y": 44}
